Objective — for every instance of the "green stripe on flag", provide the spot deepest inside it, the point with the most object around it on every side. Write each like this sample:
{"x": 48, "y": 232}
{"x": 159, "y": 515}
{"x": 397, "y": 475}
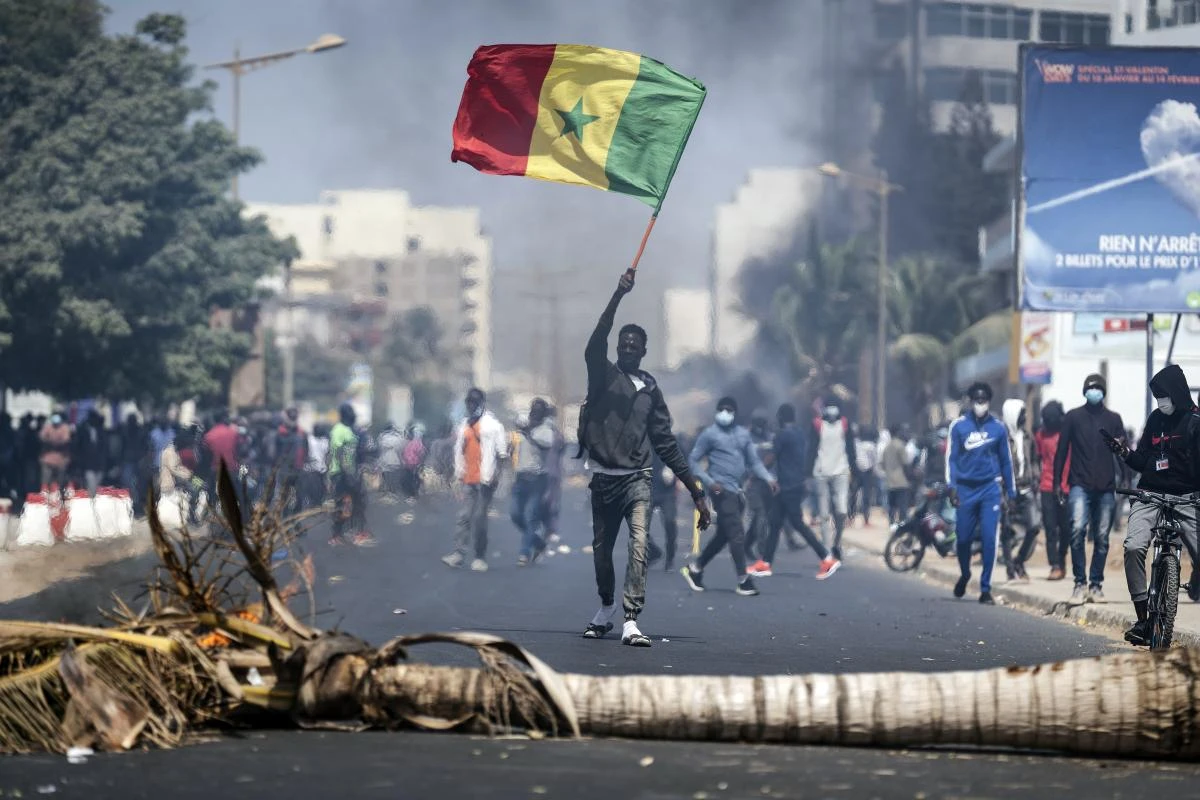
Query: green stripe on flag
{"x": 656, "y": 121}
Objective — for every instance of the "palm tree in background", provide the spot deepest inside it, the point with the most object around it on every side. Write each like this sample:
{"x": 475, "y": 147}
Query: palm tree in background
{"x": 931, "y": 300}
{"x": 823, "y": 313}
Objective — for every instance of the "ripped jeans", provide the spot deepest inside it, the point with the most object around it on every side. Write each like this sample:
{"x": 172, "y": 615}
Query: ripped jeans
{"x": 617, "y": 499}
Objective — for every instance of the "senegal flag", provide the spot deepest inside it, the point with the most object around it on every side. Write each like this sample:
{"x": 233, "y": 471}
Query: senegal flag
{"x": 576, "y": 114}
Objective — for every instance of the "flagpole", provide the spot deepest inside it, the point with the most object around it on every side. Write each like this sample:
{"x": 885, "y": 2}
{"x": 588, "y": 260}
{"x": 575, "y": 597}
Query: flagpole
{"x": 645, "y": 236}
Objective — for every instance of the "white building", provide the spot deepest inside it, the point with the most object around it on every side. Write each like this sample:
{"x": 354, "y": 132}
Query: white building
{"x": 374, "y": 245}
{"x": 1165, "y": 23}
{"x": 761, "y": 221}
{"x": 955, "y": 39}
{"x": 687, "y": 325}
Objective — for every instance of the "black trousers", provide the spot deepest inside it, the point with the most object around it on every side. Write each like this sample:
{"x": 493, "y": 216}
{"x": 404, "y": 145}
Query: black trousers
{"x": 729, "y": 506}
{"x": 668, "y": 510}
{"x": 788, "y": 506}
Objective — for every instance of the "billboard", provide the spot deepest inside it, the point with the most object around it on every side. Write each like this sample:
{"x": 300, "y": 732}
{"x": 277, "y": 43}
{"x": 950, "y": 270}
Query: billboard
{"x": 1110, "y": 177}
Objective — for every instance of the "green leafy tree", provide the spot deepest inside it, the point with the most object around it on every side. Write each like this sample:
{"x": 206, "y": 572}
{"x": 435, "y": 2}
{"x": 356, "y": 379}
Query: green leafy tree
{"x": 824, "y": 311}
{"x": 118, "y": 239}
{"x": 931, "y": 299}
{"x": 320, "y": 374}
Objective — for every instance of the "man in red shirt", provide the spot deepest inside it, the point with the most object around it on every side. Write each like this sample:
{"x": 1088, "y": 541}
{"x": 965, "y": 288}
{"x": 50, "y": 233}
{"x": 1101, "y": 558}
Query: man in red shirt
{"x": 1056, "y": 515}
{"x": 222, "y": 442}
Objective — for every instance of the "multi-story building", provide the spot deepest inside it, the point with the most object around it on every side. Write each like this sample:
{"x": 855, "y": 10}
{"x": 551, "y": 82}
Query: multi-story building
{"x": 761, "y": 222}
{"x": 940, "y": 43}
{"x": 1166, "y": 23}
{"x": 687, "y": 329}
{"x": 367, "y": 250}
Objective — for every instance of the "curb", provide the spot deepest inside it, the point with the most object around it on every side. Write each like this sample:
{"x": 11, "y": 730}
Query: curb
{"x": 1030, "y": 601}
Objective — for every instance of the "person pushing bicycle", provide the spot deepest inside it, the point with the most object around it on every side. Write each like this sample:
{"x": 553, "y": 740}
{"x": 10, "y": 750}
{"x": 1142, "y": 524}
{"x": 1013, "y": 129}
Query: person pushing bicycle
{"x": 1167, "y": 460}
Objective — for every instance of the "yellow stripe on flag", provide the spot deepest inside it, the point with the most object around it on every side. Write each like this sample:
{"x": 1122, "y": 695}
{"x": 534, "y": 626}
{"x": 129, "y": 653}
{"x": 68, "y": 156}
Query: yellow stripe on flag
{"x": 578, "y": 109}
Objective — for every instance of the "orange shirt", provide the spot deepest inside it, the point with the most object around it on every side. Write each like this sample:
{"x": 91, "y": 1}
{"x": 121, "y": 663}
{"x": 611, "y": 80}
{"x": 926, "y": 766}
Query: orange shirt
{"x": 472, "y": 455}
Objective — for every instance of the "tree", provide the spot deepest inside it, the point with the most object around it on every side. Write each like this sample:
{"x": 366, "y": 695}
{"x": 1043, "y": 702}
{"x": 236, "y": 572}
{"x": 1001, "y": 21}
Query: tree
{"x": 319, "y": 373}
{"x": 966, "y": 196}
{"x": 822, "y": 313}
{"x": 931, "y": 299}
{"x": 412, "y": 347}
{"x": 118, "y": 238}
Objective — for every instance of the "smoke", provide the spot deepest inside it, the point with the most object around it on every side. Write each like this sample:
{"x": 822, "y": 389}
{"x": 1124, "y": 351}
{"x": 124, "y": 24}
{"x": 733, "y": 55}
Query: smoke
{"x": 378, "y": 112}
{"x": 397, "y": 88}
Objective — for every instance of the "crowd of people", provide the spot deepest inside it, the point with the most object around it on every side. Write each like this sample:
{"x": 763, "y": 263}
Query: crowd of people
{"x": 764, "y": 482}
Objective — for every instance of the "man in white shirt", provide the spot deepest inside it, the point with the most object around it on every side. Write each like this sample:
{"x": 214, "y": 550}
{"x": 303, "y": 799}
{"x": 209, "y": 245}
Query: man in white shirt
{"x": 832, "y": 455}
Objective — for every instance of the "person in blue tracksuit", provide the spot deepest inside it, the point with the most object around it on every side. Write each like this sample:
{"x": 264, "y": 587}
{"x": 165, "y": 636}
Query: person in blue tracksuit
{"x": 979, "y": 462}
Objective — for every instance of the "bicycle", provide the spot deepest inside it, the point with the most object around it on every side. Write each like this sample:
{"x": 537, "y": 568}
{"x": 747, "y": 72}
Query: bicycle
{"x": 1166, "y": 545}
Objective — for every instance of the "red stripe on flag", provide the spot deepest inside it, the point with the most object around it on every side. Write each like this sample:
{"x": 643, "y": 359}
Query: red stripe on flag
{"x": 499, "y": 106}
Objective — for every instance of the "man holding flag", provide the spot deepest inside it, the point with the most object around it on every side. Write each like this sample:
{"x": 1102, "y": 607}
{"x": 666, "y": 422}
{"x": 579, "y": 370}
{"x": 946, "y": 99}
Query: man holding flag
{"x": 615, "y": 121}
{"x": 624, "y": 420}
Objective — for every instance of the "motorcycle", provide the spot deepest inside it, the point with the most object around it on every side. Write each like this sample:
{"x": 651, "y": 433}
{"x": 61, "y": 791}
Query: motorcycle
{"x": 929, "y": 525}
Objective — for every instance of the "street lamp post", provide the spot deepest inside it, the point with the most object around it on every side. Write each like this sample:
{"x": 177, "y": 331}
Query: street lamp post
{"x": 237, "y": 68}
{"x": 240, "y": 66}
{"x": 883, "y": 188}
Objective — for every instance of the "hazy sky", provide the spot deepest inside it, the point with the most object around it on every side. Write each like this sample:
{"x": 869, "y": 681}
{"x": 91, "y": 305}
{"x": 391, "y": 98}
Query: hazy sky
{"x": 378, "y": 112}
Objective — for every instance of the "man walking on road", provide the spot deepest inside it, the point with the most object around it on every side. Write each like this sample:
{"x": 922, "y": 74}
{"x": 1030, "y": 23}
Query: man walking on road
{"x": 1167, "y": 459}
{"x": 1056, "y": 516}
{"x": 1092, "y": 478}
{"x": 531, "y": 448}
{"x": 349, "y": 500}
{"x": 480, "y": 445}
{"x": 731, "y": 455}
{"x": 791, "y": 466}
{"x": 979, "y": 463}
{"x": 832, "y": 455}
{"x": 623, "y": 421}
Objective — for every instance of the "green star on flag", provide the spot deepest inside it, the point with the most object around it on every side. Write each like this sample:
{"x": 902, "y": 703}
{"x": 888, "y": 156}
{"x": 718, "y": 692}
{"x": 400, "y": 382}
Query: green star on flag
{"x": 575, "y": 119}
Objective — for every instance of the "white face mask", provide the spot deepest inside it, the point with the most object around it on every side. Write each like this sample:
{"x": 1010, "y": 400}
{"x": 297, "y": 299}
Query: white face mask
{"x": 981, "y": 409}
{"x": 1165, "y": 405}
{"x": 724, "y": 418}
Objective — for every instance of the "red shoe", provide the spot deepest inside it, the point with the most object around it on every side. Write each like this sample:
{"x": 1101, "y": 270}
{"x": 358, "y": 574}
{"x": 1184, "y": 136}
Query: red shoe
{"x": 828, "y": 567}
{"x": 760, "y": 569}
{"x": 364, "y": 539}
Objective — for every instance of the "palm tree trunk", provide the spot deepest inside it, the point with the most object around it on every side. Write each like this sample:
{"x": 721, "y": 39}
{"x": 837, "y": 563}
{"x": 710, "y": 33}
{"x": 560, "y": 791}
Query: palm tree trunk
{"x": 1133, "y": 704}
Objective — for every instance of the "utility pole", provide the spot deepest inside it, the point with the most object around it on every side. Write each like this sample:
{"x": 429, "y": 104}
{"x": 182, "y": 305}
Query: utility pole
{"x": 549, "y": 299}
{"x": 240, "y": 66}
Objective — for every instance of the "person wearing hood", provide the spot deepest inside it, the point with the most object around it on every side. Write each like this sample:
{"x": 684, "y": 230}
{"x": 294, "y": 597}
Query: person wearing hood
{"x": 832, "y": 453}
{"x": 480, "y": 448}
{"x": 1023, "y": 512}
{"x": 731, "y": 455}
{"x": 981, "y": 474}
{"x": 1056, "y": 516}
{"x": 1167, "y": 459}
{"x": 1092, "y": 479}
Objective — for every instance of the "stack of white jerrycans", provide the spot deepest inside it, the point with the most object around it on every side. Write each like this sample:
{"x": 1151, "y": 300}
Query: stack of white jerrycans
{"x": 54, "y": 515}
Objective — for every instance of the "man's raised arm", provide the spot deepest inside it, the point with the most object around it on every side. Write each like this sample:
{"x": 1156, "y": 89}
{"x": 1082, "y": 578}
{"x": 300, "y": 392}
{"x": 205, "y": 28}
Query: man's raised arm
{"x": 595, "y": 355}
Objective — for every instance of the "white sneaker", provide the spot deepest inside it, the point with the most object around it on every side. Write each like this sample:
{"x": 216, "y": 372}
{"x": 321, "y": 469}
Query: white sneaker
{"x": 479, "y": 565}
{"x": 454, "y": 560}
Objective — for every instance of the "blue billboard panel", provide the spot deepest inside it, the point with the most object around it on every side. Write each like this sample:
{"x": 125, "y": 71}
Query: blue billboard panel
{"x": 1110, "y": 175}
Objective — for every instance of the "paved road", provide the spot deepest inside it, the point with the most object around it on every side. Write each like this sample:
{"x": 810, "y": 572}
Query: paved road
{"x": 861, "y": 620}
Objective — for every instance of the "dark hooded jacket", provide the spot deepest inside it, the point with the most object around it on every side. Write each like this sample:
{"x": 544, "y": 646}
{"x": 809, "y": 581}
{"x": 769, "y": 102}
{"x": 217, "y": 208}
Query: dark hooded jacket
{"x": 1174, "y": 439}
